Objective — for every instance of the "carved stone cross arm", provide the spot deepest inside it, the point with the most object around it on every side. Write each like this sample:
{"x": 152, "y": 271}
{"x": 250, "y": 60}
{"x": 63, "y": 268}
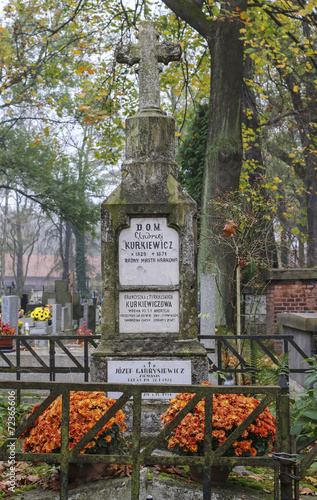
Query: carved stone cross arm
{"x": 168, "y": 51}
{"x": 128, "y": 54}
{"x": 148, "y": 53}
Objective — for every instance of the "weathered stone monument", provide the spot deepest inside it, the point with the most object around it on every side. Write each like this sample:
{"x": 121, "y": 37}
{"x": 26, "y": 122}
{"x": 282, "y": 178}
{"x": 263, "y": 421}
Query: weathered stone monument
{"x": 149, "y": 306}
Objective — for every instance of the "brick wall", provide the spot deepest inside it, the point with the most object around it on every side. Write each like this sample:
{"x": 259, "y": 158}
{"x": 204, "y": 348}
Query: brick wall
{"x": 290, "y": 290}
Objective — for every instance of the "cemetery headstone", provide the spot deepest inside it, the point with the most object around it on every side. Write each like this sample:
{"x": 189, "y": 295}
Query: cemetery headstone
{"x": 56, "y": 318}
{"x": 66, "y": 321}
{"x": 41, "y": 328}
{"x": 24, "y": 301}
{"x": 9, "y": 310}
{"x": 78, "y": 313}
{"x": 149, "y": 302}
{"x": 89, "y": 313}
{"x": 62, "y": 293}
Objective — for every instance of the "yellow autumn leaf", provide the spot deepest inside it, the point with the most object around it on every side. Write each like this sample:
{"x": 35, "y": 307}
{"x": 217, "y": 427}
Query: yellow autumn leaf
{"x": 295, "y": 88}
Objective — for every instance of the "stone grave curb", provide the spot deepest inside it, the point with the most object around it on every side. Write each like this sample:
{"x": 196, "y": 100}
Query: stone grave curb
{"x": 160, "y": 487}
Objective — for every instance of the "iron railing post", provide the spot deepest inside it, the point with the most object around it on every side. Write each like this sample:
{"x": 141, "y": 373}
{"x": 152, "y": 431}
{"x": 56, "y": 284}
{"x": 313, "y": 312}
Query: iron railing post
{"x": 64, "y": 463}
{"x": 136, "y": 433}
{"x": 207, "y": 447}
{"x": 51, "y": 359}
{"x": 219, "y": 342}
{"x": 86, "y": 360}
{"x": 285, "y": 443}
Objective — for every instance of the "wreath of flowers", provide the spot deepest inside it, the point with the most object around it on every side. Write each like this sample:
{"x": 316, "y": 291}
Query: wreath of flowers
{"x": 229, "y": 411}
{"x": 86, "y": 408}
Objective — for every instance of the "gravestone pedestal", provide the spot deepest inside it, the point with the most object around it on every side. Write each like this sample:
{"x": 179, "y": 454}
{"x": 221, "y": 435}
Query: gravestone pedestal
{"x": 149, "y": 305}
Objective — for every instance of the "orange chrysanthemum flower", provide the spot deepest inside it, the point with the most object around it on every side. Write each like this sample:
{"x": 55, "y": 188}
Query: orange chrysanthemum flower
{"x": 86, "y": 408}
{"x": 229, "y": 411}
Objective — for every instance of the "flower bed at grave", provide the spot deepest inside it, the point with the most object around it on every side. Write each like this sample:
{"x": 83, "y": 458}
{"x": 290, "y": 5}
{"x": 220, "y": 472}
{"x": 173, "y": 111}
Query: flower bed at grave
{"x": 85, "y": 410}
{"x": 6, "y": 329}
{"x": 229, "y": 411}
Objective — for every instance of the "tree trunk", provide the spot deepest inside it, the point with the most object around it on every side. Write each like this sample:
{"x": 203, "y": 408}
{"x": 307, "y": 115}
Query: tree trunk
{"x": 253, "y": 153}
{"x": 223, "y": 155}
{"x": 3, "y": 245}
{"x": 20, "y": 278}
{"x": 80, "y": 261}
{"x": 65, "y": 234}
{"x": 307, "y": 123}
{"x": 224, "y": 142}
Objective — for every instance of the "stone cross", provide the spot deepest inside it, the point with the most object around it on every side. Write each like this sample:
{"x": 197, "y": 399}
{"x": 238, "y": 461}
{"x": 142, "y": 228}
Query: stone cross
{"x": 148, "y": 53}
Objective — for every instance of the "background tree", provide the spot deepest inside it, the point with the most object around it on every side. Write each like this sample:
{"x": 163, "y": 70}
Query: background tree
{"x": 25, "y": 228}
{"x": 267, "y": 29}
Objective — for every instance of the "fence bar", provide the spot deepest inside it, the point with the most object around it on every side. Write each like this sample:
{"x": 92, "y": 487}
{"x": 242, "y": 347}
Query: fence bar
{"x": 64, "y": 447}
{"x": 135, "y": 457}
{"x": 252, "y": 373}
{"x": 18, "y": 358}
{"x": 86, "y": 360}
{"x": 136, "y": 433}
{"x": 219, "y": 362}
{"x": 51, "y": 344}
{"x": 284, "y": 446}
{"x": 207, "y": 447}
{"x": 18, "y": 372}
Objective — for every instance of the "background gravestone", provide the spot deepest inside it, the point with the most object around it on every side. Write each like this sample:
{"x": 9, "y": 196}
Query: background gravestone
{"x": 9, "y": 310}
{"x": 149, "y": 305}
{"x": 56, "y": 318}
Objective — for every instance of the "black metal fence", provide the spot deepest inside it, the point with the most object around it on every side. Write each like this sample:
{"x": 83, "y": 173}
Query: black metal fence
{"x": 23, "y": 342}
{"x": 229, "y": 344}
{"x": 138, "y": 456}
{"x": 223, "y": 343}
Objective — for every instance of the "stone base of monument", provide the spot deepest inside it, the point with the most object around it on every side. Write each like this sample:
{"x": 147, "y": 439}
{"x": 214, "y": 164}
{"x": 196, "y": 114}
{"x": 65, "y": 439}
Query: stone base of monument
{"x": 182, "y": 362}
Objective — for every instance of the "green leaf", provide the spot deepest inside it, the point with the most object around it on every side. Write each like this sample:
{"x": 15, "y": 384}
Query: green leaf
{"x": 311, "y": 414}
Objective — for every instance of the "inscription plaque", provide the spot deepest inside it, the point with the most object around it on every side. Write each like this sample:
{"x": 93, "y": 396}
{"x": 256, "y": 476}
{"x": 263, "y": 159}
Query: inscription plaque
{"x": 149, "y": 372}
{"x": 149, "y": 253}
{"x": 148, "y": 312}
